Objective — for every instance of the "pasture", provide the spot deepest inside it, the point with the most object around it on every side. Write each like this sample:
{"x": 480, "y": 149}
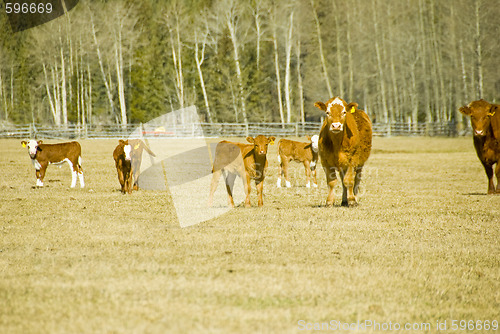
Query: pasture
{"x": 422, "y": 246}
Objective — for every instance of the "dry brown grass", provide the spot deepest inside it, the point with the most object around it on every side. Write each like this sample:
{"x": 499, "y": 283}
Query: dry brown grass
{"x": 423, "y": 245}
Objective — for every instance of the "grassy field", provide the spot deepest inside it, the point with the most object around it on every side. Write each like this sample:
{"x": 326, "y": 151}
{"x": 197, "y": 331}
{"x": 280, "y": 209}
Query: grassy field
{"x": 422, "y": 246}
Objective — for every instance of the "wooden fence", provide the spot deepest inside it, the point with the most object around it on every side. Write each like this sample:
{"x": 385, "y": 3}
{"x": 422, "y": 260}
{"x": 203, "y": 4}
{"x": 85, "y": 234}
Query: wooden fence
{"x": 192, "y": 130}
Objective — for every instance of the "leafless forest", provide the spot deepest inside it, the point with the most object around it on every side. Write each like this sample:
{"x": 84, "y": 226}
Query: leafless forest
{"x": 121, "y": 62}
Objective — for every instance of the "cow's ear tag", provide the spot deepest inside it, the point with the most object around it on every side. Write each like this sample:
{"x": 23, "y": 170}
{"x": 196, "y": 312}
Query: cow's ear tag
{"x": 24, "y": 145}
{"x": 272, "y": 142}
{"x": 491, "y": 113}
{"x": 353, "y": 110}
{"x": 136, "y": 146}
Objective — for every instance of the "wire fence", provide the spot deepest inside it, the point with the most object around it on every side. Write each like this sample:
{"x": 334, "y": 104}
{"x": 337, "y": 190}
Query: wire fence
{"x": 197, "y": 130}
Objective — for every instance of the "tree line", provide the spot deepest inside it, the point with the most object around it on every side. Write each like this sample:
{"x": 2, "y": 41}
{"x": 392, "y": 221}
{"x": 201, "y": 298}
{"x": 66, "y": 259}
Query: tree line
{"x": 124, "y": 62}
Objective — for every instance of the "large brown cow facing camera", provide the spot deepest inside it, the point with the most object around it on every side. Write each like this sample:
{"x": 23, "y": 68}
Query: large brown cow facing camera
{"x": 485, "y": 121}
{"x": 345, "y": 142}
{"x": 248, "y": 161}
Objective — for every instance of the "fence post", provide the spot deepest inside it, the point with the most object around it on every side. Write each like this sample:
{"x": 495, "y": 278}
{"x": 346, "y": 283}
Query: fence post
{"x": 296, "y": 129}
{"x": 246, "y": 129}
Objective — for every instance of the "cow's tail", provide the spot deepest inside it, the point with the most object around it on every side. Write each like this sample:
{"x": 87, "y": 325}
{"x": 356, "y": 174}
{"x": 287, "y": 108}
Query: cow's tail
{"x": 149, "y": 150}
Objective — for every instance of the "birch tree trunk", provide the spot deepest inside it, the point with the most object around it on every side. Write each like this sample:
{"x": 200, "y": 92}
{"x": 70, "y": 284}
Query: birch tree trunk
{"x": 288, "y": 43}
{"x": 350, "y": 58}
{"x": 422, "y": 37}
{"x": 3, "y": 98}
{"x": 57, "y": 97}
{"x": 256, "y": 11}
{"x": 101, "y": 67}
{"x": 278, "y": 77}
{"x": 63, "y": 91}
{"x": 199, "y": 61}
{"x": 340, "y": 77}
{"x": 300, "y": 86}
{"x": 119, "y": 78}
{"x": 55, "y": 115}
{"x": 479, "y": 56}
{"x": 385, "y": 112}
{"x": 177, "y": 59}
{"x": 231, "y": 25}
{"x": 321, "y": 53}
{"x": 89, "y": 95}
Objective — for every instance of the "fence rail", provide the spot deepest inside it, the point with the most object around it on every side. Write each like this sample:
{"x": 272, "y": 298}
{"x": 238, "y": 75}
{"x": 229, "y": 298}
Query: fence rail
{"x": 191, "y": 130}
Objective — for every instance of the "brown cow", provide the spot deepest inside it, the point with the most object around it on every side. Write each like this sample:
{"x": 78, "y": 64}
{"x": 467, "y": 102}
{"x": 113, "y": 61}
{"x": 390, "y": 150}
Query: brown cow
{"x": 485, "y": 120}
{"x": 136, "y": 157}
{"x": 248, "y": 161}
{"x": 43, "y": 155}
{"x": 123, "y": 163}
{"x": 307, "y": 153}
{"x": 345, "y": 142}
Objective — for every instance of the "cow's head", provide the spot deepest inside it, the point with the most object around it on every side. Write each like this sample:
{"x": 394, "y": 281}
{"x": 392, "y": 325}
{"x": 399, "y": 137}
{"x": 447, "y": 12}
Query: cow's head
{"x": 127, "y": 148}
{"x": 260, "y": 143}
{"x": 33, "y": 147}
{"x": 480, "y": 113}
{"x": 336, "y": 110}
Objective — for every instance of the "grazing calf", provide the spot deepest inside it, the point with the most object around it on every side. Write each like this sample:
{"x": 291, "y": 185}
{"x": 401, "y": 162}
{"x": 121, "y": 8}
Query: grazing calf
{"x": 307, "y": 153}
{"x": 136, "y": 157}
{"x": 122, "y": 156}
{"x": 248, "y": 161}
{"x": 485, "y": 120}
{"x": 43, "y": 155}
{"x": 345, "y": 142}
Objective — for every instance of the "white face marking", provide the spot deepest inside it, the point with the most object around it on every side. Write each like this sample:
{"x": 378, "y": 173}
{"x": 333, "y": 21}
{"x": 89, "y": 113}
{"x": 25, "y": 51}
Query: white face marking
{"x": 334, "y": 102}
{"x": 32, "y": 148}
{"x": 314, "y": 141}
{"x": 127, "y": 149}
{"x": 313, "y": 164}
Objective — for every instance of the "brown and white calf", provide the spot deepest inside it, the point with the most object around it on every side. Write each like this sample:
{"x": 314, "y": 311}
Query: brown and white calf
{"x": 123, "y": 162}
{"x": 249, "y": 161}
{"x": 43, "y": 155}
{"x": 345, "y": 142}
{"x": 307, "y": 153}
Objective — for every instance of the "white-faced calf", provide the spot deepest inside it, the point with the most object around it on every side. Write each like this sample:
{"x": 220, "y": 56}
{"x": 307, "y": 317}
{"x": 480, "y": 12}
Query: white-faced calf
{"x": 42, "y": 155}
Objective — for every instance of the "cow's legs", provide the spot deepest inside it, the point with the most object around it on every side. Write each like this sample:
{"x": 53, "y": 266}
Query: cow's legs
{"x": 280, "y": 172}
{"x": 488, "y": 168}
{"x": 40, "y": 174}
{"x": 129, "y": 182}
{"x": 248, "y": 188}
{"x": 286, "y": 163}
{"x": 80, "y": 173}
{"x": 357, "y": 180}
{"x": 74, "y": 173}
{"x": 213, "y": 186}
{"x": 230, "y": 177}
{"x": 331, "y": 180}
{"x": 497, "y": 173}
{"x": 259, "y": 184}
{"x": 121, "y": 179}
{"x": 313, "y": 170}
{"x": 348, "y": 182}
{"x": 307, "y": 166}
